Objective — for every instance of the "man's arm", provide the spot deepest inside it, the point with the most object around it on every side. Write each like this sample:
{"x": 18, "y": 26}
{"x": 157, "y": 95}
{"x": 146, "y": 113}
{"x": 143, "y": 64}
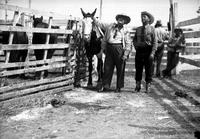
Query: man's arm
{"x": 135, "y": 40}
{"x": 154, "y": 42}
{"x": 100, "y": 24}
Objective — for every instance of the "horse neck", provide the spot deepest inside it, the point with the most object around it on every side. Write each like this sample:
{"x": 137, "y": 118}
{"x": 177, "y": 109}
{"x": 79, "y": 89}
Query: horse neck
{"x": 41, "y": 25}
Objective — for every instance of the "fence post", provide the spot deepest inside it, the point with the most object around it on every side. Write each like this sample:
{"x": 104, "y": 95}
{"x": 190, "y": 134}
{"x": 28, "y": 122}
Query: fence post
{"x": 175, "y": 20}
{"x": 47, "y": 42}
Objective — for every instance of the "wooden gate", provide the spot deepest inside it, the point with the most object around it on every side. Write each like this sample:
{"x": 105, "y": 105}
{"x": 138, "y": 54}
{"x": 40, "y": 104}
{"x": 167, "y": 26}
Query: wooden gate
{"x": 62, "y": 66}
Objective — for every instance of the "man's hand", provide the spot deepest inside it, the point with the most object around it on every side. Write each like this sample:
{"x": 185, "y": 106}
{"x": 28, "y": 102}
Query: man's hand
{"x": 151, "y": 56}
{"x": 124, "y": 57}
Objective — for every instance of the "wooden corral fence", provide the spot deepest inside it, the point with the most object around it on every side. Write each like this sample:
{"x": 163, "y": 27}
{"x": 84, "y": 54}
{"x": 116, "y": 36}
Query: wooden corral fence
{"x": 63, "y": 66}
{"x": 191, "y": 54}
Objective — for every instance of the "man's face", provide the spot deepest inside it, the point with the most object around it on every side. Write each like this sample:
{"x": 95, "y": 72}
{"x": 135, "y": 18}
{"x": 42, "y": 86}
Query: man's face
{"x": 120, "y": 21}
{"x": 145, "y": 18}
{"x": 177, "y": 33}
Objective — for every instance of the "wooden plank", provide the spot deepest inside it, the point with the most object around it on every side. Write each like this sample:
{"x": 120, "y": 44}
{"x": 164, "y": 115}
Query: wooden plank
{"x": 190, "y": 61}
{"x": 193, "y": 57}
{"x": 61, "y": 22}
{"x": 192, "y": 34}
{"x": 192, "y": 44}
{"x": 26, "y": 98}
{"x": 192, "y": 40}
{"x": 192, "y": 49}
{"x": 33, "y": 46}
{"x": 33, "y": 63}
{"x": 29, "y": 70}
{"x": 34, "y": 83}
{"x": 34, "y": 30}
{"x": 189, "y": 22}
{"x": 17, "y": 93}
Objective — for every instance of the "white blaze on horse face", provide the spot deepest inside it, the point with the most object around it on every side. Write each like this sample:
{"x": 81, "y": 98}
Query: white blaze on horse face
{"x": 87, "y": 28}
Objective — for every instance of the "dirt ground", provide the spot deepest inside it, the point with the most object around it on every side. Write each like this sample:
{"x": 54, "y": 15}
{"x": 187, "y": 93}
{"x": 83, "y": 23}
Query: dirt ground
{"x": 170, "y": 111}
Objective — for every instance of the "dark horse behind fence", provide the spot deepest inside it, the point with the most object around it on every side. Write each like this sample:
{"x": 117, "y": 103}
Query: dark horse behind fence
{"x": 40, "y": 38}
{"x": 92, "y": 45}
{"x": 19, "y": 38}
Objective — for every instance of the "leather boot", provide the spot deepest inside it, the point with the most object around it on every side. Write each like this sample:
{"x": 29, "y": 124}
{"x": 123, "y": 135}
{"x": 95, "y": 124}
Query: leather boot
{"x": 138, "y": 86}
{"x": 148, "y": 88}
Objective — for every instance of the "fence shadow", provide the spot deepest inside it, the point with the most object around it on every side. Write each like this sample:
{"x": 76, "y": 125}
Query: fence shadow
{"x": 180, "y": 113}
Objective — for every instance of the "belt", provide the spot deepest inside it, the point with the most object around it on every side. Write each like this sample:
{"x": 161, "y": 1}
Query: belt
{"x": 114, "y": 43}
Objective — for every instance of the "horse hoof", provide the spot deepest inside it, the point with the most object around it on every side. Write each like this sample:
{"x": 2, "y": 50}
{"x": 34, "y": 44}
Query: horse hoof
{"x": 89, "y": 85}
{"x": 77, "y": 85}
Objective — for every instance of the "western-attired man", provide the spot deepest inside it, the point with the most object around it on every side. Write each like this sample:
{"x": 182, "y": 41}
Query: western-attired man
{"x": 145, "y": 44}
{"x": 117, "y": 45}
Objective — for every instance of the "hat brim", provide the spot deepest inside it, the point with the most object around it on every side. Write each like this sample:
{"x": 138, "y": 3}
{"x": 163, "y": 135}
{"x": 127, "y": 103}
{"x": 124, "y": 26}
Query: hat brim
{"x": 126, "y": 18}
{"x": 151, "y": 18}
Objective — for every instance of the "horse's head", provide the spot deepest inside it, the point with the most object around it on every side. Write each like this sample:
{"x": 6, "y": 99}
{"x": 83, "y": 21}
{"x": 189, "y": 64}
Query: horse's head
{"x": 37, "y": 21}
{"x": 87, "y": 23}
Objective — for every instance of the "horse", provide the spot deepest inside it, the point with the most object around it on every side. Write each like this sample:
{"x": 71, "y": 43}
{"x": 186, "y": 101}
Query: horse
{"x": 92, "y": 44}
{"x": 19, "y": 38}
{"x": 40, "y": 38}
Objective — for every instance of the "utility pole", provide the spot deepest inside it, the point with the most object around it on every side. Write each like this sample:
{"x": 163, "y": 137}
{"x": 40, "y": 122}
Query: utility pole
{"x": 171, "y": 17}
{"x": 29, "y": 4}
{"x": 6, "y": 11}
{"x": 175, "y": 13}
{"x": 100, "y": 15}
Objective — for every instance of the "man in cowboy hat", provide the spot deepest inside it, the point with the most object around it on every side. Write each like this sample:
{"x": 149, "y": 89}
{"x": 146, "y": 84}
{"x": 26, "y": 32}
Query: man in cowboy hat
{"x": 117, "y": 46}
{"x": 145, "y": 44}
{"x": 161, "y": 35}
{"x": 158, "y": 23}
{"x": 176, "y": 44}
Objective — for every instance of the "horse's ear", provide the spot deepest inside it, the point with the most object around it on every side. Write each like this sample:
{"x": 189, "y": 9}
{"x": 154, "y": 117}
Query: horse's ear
{"x": 83, "y": 13}
{"x": 41, "y": 18}
{"x": 94, "y": 12}
{"x": 33, "y": 17}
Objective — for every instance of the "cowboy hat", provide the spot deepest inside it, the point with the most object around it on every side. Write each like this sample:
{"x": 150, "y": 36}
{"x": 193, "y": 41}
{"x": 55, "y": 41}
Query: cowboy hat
{"x": 126, "y": 18}
{"x": 151, "y": 18}
{"x": 158, "y": 23}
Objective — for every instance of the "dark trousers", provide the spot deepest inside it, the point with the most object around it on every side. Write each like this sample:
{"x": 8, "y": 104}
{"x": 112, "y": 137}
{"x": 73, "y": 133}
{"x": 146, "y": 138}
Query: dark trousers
{"x": 172, "y": 62}
{"x": 158, "y": 59}
{"x": 142, "y": 59}
{"x": 113, "y": 58}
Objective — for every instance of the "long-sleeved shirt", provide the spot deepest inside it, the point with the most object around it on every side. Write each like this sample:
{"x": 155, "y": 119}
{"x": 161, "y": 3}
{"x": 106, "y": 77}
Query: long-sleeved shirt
{"x": 176, "y": 44}
{"x": 144, "y": 38}
{"x": 161, "y": 34}
{"x": 114, "y": 35}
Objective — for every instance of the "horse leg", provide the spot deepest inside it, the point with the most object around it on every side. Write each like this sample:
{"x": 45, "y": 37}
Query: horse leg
{"x": 159, "y": 60}
{"x": 39, "y": 54}
{"x": 14, "y": 57}
{"x": 22, "y": 57}
{"x": 100, "y": 69}
{"x": 100, "y": 73}
{"x": 90, "y": 71}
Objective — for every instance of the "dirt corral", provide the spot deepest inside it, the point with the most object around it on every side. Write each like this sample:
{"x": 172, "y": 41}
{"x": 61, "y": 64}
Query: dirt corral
{"x": 171, "y": 111}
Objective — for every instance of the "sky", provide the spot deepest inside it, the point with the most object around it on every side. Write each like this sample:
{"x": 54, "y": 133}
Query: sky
{"x": 110, "y": 8}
